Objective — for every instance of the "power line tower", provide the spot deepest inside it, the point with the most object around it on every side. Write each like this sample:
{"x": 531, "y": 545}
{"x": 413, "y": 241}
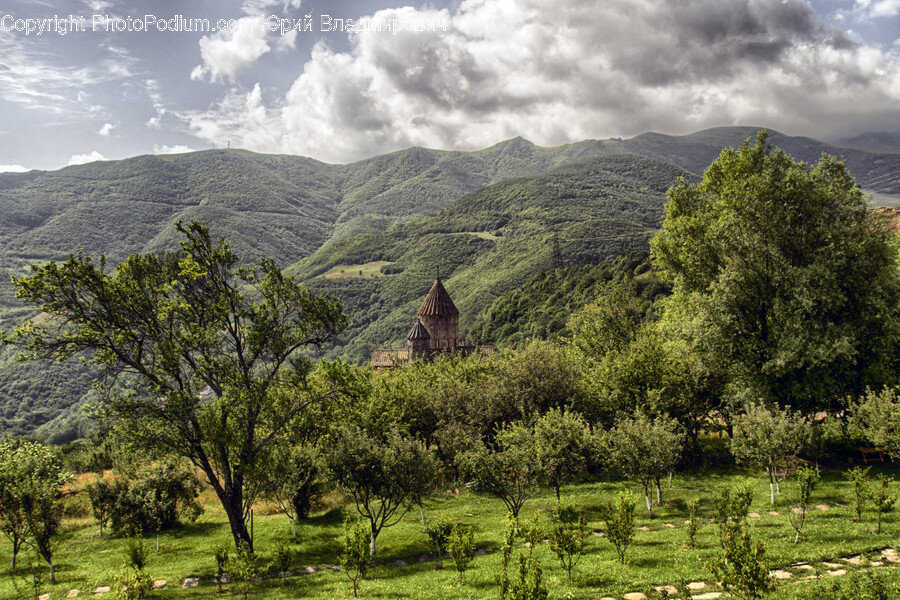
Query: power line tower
{"x": 556, "y": 259}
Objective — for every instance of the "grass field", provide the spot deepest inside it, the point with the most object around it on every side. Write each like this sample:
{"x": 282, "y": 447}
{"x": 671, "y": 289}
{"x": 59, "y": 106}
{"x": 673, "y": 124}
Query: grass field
{"x": 658, "y": 556}
{"x": 370, "y": 269}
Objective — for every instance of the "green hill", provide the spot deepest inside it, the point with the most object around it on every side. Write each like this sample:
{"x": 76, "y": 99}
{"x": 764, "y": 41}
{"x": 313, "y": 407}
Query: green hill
{"x": 484, "y": 219}
{"x": 489, "y": 242}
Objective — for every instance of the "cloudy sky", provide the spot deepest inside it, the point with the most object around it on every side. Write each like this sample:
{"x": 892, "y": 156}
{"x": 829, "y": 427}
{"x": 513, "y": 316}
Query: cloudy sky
{"x": 341, "y": 80}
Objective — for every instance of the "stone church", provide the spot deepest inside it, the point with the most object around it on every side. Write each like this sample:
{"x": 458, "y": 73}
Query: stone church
{"x": 436, "y": 331}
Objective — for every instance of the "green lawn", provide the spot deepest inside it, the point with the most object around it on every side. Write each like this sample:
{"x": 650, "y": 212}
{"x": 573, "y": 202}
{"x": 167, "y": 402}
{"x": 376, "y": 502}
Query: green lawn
{"x": 658, "y": 556}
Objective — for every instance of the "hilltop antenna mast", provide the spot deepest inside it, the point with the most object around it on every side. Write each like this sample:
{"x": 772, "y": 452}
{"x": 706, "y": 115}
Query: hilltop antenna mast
{"x": 556, "y": 259}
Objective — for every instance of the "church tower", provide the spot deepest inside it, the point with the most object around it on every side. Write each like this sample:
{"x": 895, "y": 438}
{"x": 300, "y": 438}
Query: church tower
{"x": 418, "y": 342}
{"x": 440, "y": 317}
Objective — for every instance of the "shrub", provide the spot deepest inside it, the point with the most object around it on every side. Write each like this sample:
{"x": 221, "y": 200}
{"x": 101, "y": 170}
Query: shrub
{"x": 355, "y": 555}
{"x": 741, "y": 567}
{"x": 567, "y": 537}
{"x": 462, "y": 548}
{"x": 619, "y": 519}
{"x": 859, "y": 476}
{"x": 438, "y": 538}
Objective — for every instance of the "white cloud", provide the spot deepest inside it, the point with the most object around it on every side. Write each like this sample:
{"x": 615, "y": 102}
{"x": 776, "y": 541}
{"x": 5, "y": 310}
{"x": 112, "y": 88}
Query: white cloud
{"x": 13, "y": 169}
{"x": 177, "y": 149}
{"x": 80, "y": 159}
{"x": 510, "y": 67}
{"x": 262, "y": 7}
{"x": 878, "y": 8}
{"x": 225, "y": 53}
{"x": 105, "y": 129}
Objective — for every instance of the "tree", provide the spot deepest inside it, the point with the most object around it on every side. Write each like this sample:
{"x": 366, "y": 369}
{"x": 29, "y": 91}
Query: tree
{"x": 355, "y": 556}
{"x": 567, "y": 536}
{"x": 200, "y": 357}
{"x": 882, "y": 500}
{"x": 509, "y": 471}
{"x": 643, "y": 449}
{"x": 295, "y": 478}
{"x": 765, "y": 438}
{"x": 859, "y": 477}
{"x": 563, "y": 443}
{"x": 807, "y": 477}
{"x": 618, "y": 517}
{"x": 31, "y": 475}
{"x": 878, "y": 415}
{"x": 794, "y": 283}
{"x": 381, "y": 474}
{"x": 461, "y": 547}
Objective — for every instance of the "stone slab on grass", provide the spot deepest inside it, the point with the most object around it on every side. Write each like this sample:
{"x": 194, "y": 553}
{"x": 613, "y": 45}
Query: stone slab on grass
{"x": 190, "y": 582}
{"x": 779, "y": 574}
{"x": 696, "y": 585}
{"x": 635, "y": 596}
{"x": 708, "y": 596}
{"x": 670, "y": 589}
{"x": 837, "y": 572}
{"x": 159, "y": 584}
{"x": 103, "y": 589}
{"x": 72, "y": 594}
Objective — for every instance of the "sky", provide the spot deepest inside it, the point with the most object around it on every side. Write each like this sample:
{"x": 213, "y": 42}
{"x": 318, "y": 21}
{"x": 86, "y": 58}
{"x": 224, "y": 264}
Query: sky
{"x": 343, "y": 80}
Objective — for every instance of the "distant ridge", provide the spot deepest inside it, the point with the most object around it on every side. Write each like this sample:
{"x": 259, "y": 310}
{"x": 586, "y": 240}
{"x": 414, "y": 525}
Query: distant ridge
{"x": 487, "y": 213}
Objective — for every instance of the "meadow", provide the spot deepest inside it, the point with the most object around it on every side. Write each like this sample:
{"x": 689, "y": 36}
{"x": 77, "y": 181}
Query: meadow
{"x": 658, "y": 557}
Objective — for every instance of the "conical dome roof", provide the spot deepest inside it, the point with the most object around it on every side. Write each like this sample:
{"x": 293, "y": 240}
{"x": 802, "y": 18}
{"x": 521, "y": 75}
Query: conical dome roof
{"x": 438, "y": 302}
{"x": 418, "y": 332}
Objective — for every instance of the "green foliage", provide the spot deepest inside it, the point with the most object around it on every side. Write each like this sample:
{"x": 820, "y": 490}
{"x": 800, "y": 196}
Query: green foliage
{"x": 882, "y": 500}
{"x": 643, "y": 449}
{"x": 795, "y": 317}
{"x": 243, "y": 569}
{"x": 508, "y": 472}
{"x": 282, "y": 558}
{"x": 295, "y": 478}
{"x": 380, "y": 473}
{"x": 807, "y": 478}
{"x": 175, "y": 327}
{"x": 765, "y": 438}
{"x": 563, "y": 446}
{"x": 618, "y": 519}
{"x": 857, "y": 585}
{"x": 731, "y": 505}
{"x": 462, "y": 548}
{"x": 693, "y": 524}
{"x": 152, "y": 497}
{"x": 878, "y": 415}
{"x": 741, "y": 567}
{"x": 543, "y": 305}
{"x": 438, "y": 534}
{"x": 31, "y": 475}
{"x": 859, "y": 477}
{"x": 133, "y": 584}
{"x": 221, "y": 556}
{"x": 135, "y": 551}
{"x": 567, "y": 536}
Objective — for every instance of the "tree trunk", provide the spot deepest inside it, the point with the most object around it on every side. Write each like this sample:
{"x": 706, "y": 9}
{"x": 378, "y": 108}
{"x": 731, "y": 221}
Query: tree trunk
{"x": 157, "y": 541}
{"x": 557, "y": 496}
{"x": 422, "y": 512}
{"x": 658, "y": 493}
{"x": 372, "y": 547}
{"x": 52, "y": 573}
{"x": 647, "y": 498}
{"x": 293, "y": 527}
{"x": 772, "y": 484}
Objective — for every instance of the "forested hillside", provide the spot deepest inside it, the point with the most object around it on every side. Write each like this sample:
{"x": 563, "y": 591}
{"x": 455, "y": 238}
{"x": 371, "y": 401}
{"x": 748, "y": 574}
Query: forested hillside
{"x": 485, "y": 220}
{"x": 490, "y": 242}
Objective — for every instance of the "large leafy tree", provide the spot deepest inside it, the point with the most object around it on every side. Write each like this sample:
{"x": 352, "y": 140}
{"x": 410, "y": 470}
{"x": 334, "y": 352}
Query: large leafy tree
{"x": 786, "y": 277}
{"x": 201, "y": 358}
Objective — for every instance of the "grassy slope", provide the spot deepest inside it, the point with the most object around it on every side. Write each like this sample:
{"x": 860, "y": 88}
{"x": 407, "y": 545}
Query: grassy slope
{"x": 287, "y": 207}
{"x": 657, "y": 557}
{"x": 600, "y": 207}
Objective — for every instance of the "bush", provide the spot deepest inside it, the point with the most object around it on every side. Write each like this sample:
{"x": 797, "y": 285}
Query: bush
{"x": 438, "y": 538}
{"x": 462, "y": 548}
{"x": 619, "y": 519}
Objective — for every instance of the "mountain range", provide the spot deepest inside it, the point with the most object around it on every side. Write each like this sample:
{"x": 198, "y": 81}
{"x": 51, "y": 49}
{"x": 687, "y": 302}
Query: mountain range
{"x": 374, "y": 232}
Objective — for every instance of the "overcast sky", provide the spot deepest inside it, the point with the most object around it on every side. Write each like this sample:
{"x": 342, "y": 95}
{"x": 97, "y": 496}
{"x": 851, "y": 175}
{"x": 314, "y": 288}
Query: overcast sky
{"x": 280, "y": 76}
